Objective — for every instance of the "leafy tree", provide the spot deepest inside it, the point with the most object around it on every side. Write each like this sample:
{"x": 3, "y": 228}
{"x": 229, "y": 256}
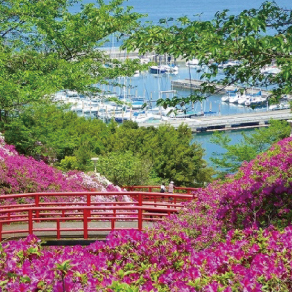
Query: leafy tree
{"x": 48, "y": 130}
{"x": 255, "y": 38}
{"x": 168, "y": 150}
{"x": 124, "y": 168}
{"x": 54, "y": 134}
{"x": 248, "y": 148}
{"x": 69, "y": 163}
{"x": 44, "y": 48}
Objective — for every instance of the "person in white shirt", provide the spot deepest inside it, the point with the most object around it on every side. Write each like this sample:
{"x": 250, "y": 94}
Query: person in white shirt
{"x": 170, "y": 187}
{"x": 170, "y": 190}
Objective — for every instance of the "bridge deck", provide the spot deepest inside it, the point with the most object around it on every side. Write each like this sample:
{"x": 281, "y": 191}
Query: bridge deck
{"x": 49, "y": 215}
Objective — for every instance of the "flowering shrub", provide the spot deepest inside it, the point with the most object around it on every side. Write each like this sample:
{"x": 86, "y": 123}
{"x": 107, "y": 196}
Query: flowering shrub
{"x": 215, "y": 243}
{"x": 249, "y": 260}
{"x": 260, "y": 193}
{"x": 20, "y": 174}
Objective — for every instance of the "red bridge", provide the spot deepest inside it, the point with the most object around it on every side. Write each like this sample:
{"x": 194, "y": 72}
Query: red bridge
{"x": 83, "y": 214}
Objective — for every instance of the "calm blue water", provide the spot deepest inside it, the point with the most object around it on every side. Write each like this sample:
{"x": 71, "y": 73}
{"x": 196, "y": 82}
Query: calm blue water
{"x": 204, "y": 140}
{"x": 157, "y": 9}
{"x": 151, "y": 85}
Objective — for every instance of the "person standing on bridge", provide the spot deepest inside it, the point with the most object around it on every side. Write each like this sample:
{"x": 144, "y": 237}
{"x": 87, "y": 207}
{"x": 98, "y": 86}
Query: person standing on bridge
{"x": 162, "y": 188}
{"x": 170, "y": 189}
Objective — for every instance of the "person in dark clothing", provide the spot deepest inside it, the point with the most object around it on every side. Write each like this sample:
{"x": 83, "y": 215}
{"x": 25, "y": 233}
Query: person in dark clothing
{"x": 162, "y": 188}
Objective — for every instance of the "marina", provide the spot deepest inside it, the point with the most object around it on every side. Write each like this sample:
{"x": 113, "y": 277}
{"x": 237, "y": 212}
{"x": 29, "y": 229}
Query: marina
{"x": 136, "y": 100}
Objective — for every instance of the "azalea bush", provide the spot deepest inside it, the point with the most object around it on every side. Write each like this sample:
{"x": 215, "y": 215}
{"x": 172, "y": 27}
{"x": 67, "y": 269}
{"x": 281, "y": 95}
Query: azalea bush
{"x": 260, "y": 193}
{"x": 20, "y": 174}
{"x": 249, "y": 260}
{"x": 234, "y": 236}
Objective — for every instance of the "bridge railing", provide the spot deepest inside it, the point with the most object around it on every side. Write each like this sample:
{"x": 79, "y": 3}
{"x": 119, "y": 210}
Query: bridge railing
{"x": 157, "y": 188}
{"x": 144, "y": 207}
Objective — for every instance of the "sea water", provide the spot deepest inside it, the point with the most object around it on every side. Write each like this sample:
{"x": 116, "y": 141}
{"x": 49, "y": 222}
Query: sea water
{"x": 194, "y": 9}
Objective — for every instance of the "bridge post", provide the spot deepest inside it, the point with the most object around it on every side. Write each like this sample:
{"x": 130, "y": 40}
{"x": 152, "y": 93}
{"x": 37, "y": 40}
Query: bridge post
{"x": 30, "y": 224}
{"x": 37, "y": 204}
{"x": 58, "y": 229}
{"x": 85, "y": 224}
{"x": 89, "y": 203}
{"x": 0, "y": 231}
{"x": 114, "y": 220}
{"x": 9, "y": 217}
{"x": 140, "y": 223}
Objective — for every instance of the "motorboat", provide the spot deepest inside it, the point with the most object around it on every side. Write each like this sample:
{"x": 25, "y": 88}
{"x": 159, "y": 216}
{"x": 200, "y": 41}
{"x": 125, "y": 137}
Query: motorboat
{"x": 246, "y": 99}
{"x": 145, "y": 60}
{"x": 274, "y": 107}
{"x": 71, "y": 93}
{"x": 270, "y": 70}
{"x": 229, "y": 94}
{"x": 243, "y": 98}
{"x": 141, "y": 117}
{"x": 234, "y": 98}
{"x": 159, "y": 69}
{"x": 258, "y": 100}
{"x": 136, "y": 73}
{"x": 173, "y": 69}
{"x": 60, "y": 96}
{"x": 225, "y": 98}
{"x": 227, "y": 64}
{"x": 279, "y": 106}
{"x": 193, "y": 62}
{"x": 123, "y": 116}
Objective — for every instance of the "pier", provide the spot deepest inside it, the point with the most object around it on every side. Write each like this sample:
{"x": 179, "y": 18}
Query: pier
{"x": 223, "y": 123}
{"x": 196, "y": 84}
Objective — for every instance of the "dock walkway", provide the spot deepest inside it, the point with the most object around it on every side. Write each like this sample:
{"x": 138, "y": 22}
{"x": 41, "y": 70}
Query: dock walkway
{"x": 238, "y": 121}
{"x": 196, "y": 84}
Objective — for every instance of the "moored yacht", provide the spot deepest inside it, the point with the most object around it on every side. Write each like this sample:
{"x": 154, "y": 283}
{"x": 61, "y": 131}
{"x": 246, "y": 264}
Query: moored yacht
{"x": 243, "y": 98}
{"x": 229, "y": 94}
{"x": 193, "y": 62}
{"x": 234, "y": 98}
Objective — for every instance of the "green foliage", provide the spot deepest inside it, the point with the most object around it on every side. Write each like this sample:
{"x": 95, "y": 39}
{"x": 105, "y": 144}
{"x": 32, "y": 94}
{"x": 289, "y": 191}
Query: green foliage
{"x": 255, "y": 38}
{"x": 168, "y": 150}
{"x": 124, "y": 168}
{"x": 47, "y": 130}
{"x": 69, "y": 163}
{"x": 59, "y": 136}
{"x": 44, "y": 48}
{"x": 248, "y": 148}
{"x": 123, "y": 287}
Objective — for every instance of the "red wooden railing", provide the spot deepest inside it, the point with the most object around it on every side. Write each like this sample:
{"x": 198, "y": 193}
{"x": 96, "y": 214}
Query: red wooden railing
{"x": 157, "y": 188}
{"x": 46, "y": 207}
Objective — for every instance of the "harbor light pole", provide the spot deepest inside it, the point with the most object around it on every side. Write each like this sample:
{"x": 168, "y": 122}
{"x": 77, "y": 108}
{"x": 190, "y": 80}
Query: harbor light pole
{"x": 94, "y": 159}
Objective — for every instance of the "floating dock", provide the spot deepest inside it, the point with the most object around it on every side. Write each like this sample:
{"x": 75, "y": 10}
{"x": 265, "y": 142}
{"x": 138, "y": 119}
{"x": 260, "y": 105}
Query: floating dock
{"x": 223, "y": 123}
{"x": 196, "y": 84}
